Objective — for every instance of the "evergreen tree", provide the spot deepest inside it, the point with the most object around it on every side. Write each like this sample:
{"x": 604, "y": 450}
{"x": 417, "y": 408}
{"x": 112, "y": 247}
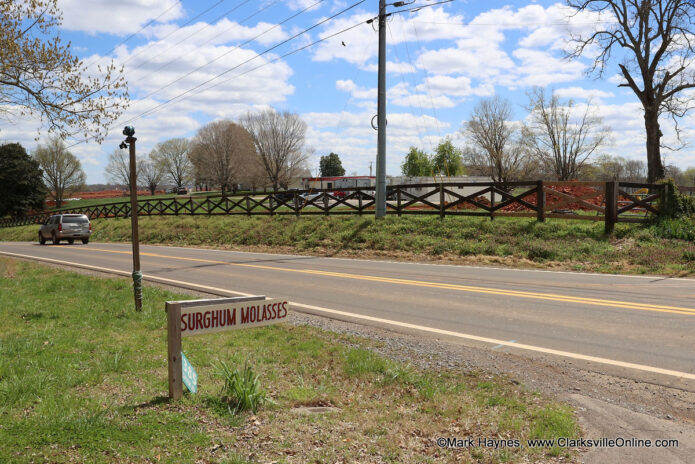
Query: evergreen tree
{"x": 21, "y": 183}
{"x": 331, "y": 166}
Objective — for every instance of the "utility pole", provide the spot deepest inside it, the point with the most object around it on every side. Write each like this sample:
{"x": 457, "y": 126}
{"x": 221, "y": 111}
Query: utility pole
{"x": 370, "y": 168}
{"x": 129, "y": 142}
{"x": 381, "y": 117}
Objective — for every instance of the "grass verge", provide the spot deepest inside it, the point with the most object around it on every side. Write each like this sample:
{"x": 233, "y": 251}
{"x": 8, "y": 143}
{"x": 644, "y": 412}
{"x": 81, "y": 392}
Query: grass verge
{"x": 661, "y": 248}
{"x": 83, "y": 379}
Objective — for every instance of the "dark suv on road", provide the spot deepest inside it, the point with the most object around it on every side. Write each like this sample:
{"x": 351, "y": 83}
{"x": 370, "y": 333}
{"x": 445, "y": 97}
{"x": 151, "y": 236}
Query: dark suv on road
{"x": 66, "y": 227}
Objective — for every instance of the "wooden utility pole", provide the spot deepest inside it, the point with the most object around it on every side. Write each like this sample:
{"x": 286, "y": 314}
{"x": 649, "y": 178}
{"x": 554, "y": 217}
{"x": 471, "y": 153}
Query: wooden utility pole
{"x": 129, "y": 132}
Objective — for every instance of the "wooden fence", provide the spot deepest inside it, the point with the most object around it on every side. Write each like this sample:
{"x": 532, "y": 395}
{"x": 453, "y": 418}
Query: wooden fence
{"x": 611, "y": 202}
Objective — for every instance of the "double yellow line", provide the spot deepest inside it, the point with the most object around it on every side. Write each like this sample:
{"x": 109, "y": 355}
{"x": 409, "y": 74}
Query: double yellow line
{"x": 421, "y": 283}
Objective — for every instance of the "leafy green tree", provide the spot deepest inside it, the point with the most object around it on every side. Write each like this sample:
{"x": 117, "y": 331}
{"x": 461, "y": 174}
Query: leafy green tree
{"x": 447, "y": 159}
{"x": 331, "y": 166}
{"x": 416, "y": 164}
{"x": 21, "y": 184}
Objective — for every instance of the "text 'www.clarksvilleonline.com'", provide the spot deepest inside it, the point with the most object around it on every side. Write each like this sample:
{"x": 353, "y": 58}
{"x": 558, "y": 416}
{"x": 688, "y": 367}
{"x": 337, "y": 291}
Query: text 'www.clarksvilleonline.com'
{"x": 562, "y": 442}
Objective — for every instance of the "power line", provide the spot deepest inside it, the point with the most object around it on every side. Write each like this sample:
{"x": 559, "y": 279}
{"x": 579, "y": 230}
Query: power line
{"x": 234, "y": 49}
{"x": 211, "y": 39}
{"x": 175, "y": 30}
{"x": 156, "y": 108}
{"x": 192, "y": 34}
{"x": 148, "y": 24}
{"x": 422, "y": 113}
{"x": 427, "y": 83}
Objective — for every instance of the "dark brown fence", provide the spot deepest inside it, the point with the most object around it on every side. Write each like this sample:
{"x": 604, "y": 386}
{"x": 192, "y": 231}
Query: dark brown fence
{"x": 610, "y": 202}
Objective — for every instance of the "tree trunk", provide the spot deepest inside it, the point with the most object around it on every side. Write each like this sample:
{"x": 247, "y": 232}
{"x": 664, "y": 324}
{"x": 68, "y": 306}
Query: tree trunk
{"x": 655, "y": 169}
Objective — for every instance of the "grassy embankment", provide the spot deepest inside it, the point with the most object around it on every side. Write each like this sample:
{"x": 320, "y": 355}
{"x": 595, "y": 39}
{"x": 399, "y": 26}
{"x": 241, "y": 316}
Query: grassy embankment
{"x": 83, "y": 379}
{"x": 661, "y": 248}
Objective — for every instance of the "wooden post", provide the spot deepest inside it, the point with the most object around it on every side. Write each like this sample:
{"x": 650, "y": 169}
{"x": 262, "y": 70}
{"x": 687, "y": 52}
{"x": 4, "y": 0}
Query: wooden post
{"x": 540, "y": 201}
{"x": 398, "y": 199}
{"x": 665, "y": 201}
{"x": 325, "y": 202}
{"x": 359, "y": 200}
{"x": 441, "y": 201}
{"x": 611, "y": 213}
{"x": 135, "y": 239}
{"x": 492, "y": 203}
{"x": 296, "y": 204}
{"x": 248, "y": 206}
{"x": 173, "y": 310}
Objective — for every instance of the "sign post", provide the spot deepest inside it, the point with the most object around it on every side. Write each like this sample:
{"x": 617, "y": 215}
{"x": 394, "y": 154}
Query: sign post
{"x": 197, "y": 317}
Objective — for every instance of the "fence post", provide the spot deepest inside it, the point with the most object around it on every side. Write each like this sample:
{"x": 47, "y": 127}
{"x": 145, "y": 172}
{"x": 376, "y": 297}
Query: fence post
{"x": 296, "y": 204}
{"x": 248, "y": 205}
{"x": 540, "y": 201}
{"x": 325, "y": 202}
{"x": 441, "y": 201}
{"x": 611, "y": 213}
{"x": 176, "y": 207}
{"x": 359, "y": 200}
{"x": 665, "y": 203}
{"x": 492, "y": 203}
{"x": 398, "y": 200}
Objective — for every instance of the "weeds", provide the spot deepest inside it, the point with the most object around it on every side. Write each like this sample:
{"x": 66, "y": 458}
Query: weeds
{"x": 241, "y": 390}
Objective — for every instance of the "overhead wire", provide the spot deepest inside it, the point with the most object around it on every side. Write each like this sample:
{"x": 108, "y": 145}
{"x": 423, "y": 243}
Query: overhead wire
{"x": 422, "y": 113}
{"x": 175, "y": 30}
{"x": 181, "y": 95}
{"x": 209, "y": 40}
{"x": 234, "y": 49}
{"x": 207, "y": 24}
{"x": 427, "y": 83}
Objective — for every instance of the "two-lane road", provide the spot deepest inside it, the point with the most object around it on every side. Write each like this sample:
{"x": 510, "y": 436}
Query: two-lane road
{"x": 642, "y": 326}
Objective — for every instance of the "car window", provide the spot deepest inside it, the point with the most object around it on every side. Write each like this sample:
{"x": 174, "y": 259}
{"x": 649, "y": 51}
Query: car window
{"x": 75, "y": 220}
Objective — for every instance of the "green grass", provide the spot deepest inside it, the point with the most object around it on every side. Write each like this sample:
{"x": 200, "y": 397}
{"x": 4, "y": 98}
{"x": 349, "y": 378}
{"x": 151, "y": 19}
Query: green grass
{"x": 660, "y": 248}
{"x": 83, "y": 378}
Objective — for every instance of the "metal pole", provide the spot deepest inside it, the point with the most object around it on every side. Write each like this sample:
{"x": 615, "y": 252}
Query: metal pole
{"x": 381, "y": 117}
{"x": 137, "y": 275}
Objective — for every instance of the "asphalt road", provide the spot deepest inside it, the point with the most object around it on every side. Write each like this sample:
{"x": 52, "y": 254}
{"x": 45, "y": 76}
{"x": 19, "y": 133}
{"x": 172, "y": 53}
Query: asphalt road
{"x": 634, "y": 325}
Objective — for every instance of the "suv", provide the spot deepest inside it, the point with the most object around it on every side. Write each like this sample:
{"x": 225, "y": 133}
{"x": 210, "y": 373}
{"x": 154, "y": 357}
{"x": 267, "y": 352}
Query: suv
{"x": 66, "y": 227}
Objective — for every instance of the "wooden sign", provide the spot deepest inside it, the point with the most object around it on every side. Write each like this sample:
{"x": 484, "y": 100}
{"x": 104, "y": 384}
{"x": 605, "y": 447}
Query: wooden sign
{"x": 197, "y": 317}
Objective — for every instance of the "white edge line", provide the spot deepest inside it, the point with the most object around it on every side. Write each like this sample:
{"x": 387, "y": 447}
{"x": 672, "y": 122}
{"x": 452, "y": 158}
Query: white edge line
{"x": 405, "y": 325}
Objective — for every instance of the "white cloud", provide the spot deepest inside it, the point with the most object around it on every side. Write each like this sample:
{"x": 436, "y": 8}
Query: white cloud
{"x": 115, "y": 17}
{"x": 584, "y": 94}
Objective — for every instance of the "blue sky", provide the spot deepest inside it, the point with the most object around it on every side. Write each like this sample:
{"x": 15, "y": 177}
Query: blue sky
{"x": 441, "y": 61}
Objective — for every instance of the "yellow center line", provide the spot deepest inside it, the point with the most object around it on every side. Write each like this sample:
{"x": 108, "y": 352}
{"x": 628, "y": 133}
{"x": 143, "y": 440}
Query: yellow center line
{"x": 420, "y": 283}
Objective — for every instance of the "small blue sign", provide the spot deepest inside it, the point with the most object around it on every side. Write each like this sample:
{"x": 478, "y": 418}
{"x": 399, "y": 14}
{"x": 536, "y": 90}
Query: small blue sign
{"x": 189, "y": 375}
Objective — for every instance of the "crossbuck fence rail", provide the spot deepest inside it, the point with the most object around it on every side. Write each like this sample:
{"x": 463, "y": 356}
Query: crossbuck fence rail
{"x": 611, "y": 202}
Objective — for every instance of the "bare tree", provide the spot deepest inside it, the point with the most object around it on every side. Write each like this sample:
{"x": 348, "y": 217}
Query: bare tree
{"x": 559, "y": 139}
{"x": 635, "y": 171}
{"x": 656, "y": 37}
{"x": 172, "y": 157}
{"x": 118, "y": 168}
{"x": 151, "y": 175}
{"x": 62, "y": 172}
{"x": 497, "y": 146}
{"x": 279, "y": 141}
{"x": 223, "y": 151}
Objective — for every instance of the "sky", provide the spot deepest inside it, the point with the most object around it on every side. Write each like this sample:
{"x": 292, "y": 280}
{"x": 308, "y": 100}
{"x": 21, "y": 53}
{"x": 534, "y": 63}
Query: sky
{"x": 188, "y": 63}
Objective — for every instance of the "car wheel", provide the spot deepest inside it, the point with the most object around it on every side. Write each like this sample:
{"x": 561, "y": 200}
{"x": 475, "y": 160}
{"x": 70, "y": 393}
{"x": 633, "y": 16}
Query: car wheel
{"x": 85, "y": 241}
{"x": 56, "y": 240}
{"x": 42, "y": 240}
{"x": 71, "y": 241}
